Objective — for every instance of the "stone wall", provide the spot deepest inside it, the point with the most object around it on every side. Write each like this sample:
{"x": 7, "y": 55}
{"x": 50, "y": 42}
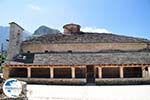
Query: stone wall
{"x": 82, "y": 47}
{"x": 15, "y": 40}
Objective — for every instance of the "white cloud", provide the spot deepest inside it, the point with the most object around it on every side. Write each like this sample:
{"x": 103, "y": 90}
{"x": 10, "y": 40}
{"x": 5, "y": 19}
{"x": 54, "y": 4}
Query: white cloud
{"x": 34, "y": 7}
{"x": 94, "y": 29}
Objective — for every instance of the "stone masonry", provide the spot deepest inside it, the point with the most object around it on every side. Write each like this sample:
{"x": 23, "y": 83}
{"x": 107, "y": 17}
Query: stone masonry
{"x": 15, "y": 40}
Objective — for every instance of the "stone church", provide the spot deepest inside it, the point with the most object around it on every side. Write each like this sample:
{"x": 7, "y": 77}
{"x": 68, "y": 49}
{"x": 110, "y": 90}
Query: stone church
{"x": 76, "y": 57}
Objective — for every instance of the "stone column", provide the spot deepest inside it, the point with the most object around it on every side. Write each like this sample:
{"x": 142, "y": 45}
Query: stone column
{"x": 6, "y": 71}
{"x": 29, "y": 72}
{"x": 144, "y": 73}
{"x": 73, "y": 72}
{"x": 52, "y": 72}
{"x": 121, "y": 72}
{"x": 99, "y": 72}
{"x": 149, "y": 72}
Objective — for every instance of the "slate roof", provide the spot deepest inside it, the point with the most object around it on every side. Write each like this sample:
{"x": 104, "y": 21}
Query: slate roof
{"x": 92, "y": 58}
{"x": 83, "y": 37}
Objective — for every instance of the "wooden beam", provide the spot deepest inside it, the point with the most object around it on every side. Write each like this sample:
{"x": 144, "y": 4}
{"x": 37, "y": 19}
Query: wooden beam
{"x": 69, "y": 66}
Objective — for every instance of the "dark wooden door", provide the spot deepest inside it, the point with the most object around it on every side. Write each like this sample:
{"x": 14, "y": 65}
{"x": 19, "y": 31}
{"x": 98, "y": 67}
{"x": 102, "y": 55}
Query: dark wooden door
{"x": 90, "y": 74}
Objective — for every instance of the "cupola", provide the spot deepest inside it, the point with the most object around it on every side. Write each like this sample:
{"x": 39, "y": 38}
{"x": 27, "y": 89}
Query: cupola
{"x": 71, "y": 28}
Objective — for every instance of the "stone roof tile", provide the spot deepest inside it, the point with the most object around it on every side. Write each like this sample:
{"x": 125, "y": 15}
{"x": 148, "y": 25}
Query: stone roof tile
{"x": 83, "y": 37}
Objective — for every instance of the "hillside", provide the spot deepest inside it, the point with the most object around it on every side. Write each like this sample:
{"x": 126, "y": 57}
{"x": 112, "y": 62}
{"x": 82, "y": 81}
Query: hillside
{"x": 4, "y": 34}
{"x": 44, "y": 30}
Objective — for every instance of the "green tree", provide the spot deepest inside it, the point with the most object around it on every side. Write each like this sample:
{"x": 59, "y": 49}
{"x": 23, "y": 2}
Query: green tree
{"x": 2, "y": 58}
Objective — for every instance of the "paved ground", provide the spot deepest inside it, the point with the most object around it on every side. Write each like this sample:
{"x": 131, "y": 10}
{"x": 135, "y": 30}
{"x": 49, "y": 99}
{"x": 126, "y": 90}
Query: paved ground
{"x": 53, "y": 92}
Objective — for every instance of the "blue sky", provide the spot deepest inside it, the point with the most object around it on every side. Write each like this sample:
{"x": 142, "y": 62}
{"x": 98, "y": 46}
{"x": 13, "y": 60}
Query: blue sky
{"x": 126, "y": 17}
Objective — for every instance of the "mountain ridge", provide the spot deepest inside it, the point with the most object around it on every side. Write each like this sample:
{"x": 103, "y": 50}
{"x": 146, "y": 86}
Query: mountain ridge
{"x": 44, "y": 30}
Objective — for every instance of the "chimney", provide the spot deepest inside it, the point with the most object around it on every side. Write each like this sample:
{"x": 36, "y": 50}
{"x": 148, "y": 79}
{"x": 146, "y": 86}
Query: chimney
{"x": 71, "y": 28}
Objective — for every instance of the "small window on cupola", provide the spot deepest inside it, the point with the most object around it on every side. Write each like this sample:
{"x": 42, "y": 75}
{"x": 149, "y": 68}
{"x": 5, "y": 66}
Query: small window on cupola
{"x": 46, "y": 51}
{"x": 70, "y": 51}
{"x": 28, "y": 51}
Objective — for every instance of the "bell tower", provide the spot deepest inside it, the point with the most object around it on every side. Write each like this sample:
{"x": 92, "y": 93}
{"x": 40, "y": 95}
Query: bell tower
{"x": 15, "y": 40}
